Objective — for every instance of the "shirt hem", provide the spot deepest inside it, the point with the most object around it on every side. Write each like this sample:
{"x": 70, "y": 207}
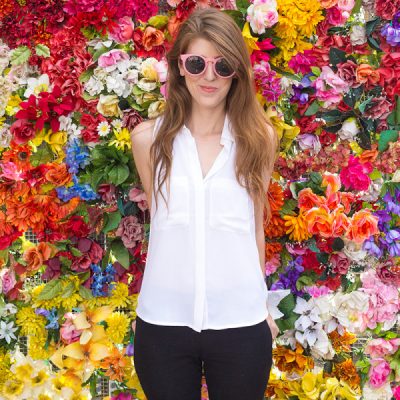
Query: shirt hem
{"x": 219, "y": 327}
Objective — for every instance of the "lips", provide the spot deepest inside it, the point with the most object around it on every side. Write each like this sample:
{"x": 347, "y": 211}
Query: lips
{"x": 208, "y": 89}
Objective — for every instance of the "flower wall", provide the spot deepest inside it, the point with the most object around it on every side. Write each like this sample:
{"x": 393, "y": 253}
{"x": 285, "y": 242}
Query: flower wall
{"x": 77, "y": 77}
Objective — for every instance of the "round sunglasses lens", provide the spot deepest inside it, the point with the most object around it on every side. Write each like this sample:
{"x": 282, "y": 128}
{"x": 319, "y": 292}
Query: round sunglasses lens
{"x": 223, "y": 68}
{"x": 195, "y": 65}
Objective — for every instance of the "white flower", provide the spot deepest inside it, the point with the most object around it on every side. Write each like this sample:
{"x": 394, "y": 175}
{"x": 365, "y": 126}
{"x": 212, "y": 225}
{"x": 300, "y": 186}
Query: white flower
{"x": 374, "y": 190}
{"x": 262, "y": 14}
{"x": 94, "y": 86}
{"x": 103, "y": 128}
{"x": 147, "y": 85}
{"x": 396, "y": 176}
{"x": 348, "y": 309}
{"x": 354, "y": 251}
{"x": 8, "y": 309}
{"x": 382, "y": 393}
{"x": 358, "y": 35}
{"x": 117, "y": 124}
{"x": 117, "y": 84}
{"x": 37, "y": 85}
{"x": 7, "y": 331}
{"x": 5, "y": 135}
{"x": 349, "y": 129}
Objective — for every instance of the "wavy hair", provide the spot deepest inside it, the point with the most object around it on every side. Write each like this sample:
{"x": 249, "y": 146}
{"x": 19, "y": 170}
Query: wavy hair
{"x": 256, "y": 140}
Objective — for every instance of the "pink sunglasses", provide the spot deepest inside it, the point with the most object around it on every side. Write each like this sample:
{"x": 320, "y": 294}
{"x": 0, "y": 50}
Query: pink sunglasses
{"x": 195, "y": 65}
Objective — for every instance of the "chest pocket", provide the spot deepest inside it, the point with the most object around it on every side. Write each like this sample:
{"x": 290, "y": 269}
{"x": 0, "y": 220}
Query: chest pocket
{"x": 177, "y": 213}
{"x": 229, "y": 206}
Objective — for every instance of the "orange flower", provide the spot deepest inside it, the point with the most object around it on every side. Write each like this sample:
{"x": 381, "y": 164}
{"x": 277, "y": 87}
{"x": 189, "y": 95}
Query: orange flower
{"x": 347, "y": 198}
{"x": 342, "y": 343}
{"x": 275, "y": 196}
{"x": 308, "y": 199}
{"x": 332, "y": 182}
{"x": 320, "y": 222}
{"x": 363, "y": 225}
{"x": 369, "y": 155}
{"x": 347, "y": 372}
{"x": 291, "y": 361}
{"x": 173, "y": 26}
{"x": 340, "y": 223}
{"x": 328, "y": 3}
{"x": 36, "y": 256}
{"x": 25, "y": 215}
{"x": 5, "y": 225}
{"x": 152, "y": 37}
{"x": 58, "y": 174}
{"x": 296, "y": 227}
{"x": 6, "y": 8}
{"x": 19, "y": 155}
{"x": 115, "y": 364}
{"x": 275, "y": 228}
{"x": 272, "y": 248}
{"x": 366, "y": 74}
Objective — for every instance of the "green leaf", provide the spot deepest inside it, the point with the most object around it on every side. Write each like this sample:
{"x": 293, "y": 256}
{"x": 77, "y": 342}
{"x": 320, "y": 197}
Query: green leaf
{"x": 42, "y": 155}
{"x": 385, "y": 138}
{"x": 42, "y": 50}
{"x": 371, "y": 25}
{"x": 357, "y": 7}
{"x": 85, "y": 75}
{"x": 75, "y": 252}
{"x": 287, "y": 304}
{"x": 288, "y": 207}
{"x": 85, "y": 293}
{"x": 111, "y": 221}
{"x": 374, "y": 43}
{"x": 312, "y": 109}
{"x": 242, "y": 4}
{"x": 20, "y": 55}
{"x": 375, "y": 174}
{"x": 237, "y": 16}
{"x": 118, "y": 174}
{"x": 120, "y": 252}
{"x": 68, "y": 290}
{"x": 364, "y": 104}
{"x": 336, "y": 56}
{"x": 99, "y": 52}
{"x": 316, "y": 71}
{"x": 316, "y": 178}
{"x": 158, "y": 21}
{"x": 51, "y": 290}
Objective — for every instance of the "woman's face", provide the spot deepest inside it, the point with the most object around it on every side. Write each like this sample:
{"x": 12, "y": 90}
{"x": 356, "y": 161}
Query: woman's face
{"x": 207, "y": 89}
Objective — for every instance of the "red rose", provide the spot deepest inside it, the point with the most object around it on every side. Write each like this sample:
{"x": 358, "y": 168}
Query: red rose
{"x": 327, "y": 138}
{"x": 311, "y": 263}
{"x": 81, "y": 264}
{"x": 308, "y": 124}
{"x": 76, "y": 226}
{"x": 22, "y": 131}
{"x": 333, "y": 282}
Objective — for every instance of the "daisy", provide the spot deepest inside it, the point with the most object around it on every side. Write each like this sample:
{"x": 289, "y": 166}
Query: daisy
{"x": 103, "y": 128}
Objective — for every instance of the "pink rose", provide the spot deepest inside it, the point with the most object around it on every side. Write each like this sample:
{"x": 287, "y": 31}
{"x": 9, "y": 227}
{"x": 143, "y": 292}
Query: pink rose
{"x": 379, "y": 372}
{"x": 138, "y": 196}
{"x": 378, "y": 108}
{"x": 130, "y": 119}
{"x": 330, "y": 87}
{"x": 130, "y": 231}
{"x": 379, "y": 348}
{"x": 112, "y": 57}
{"x": 335, "y": 16}
{"x": 81, "y": 264}
{"x": 340, "y": 263}
{"x": 123, "y": 31}
{"x": 8, "y": 280}
{"x": 345, "y": 5}
{"x": 347, "y": 72}
{"x": 95, "y": 253}
{"x": 302, "y": 62}
{"x": 107, "y": 192}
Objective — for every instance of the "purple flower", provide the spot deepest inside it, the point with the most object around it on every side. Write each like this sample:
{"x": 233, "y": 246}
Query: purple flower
{"x": 129, "y": 350}
{"x": 267, "y": 82}
{"x": 288, "y": 279}
{"x": 372, "y": 248}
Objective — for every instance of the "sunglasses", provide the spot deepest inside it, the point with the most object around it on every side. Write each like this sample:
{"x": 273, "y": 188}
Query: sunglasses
{"x": 196, "y": 65}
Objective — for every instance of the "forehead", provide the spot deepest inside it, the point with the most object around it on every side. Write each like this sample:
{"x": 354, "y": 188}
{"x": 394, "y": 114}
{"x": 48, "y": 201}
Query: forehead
{"x": 202, "y": 47}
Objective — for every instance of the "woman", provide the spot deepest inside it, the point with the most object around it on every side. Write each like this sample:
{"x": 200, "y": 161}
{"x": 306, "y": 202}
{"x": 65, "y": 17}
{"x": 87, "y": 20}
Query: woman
{"x": 203, "y": 301}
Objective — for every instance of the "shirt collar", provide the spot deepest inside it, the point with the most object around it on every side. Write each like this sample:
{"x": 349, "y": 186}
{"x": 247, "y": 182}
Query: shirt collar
{"x": 226, "y": 136}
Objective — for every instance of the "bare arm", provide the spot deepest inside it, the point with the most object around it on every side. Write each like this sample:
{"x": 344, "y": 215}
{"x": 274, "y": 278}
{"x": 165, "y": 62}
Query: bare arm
{"x": 141, "y": 138}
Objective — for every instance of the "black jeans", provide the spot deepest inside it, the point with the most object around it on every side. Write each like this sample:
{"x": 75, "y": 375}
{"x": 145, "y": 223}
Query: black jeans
{"x": 169, "y": 361}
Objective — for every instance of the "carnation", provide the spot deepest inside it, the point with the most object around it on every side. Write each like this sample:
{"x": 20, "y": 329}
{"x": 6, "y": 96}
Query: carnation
{"x": 386, "y": 9}
{"x": 355, "y": 175}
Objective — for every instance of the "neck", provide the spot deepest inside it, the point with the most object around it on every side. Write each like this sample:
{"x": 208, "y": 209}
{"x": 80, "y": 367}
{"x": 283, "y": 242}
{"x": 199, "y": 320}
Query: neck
{"x": 206, "y": 122}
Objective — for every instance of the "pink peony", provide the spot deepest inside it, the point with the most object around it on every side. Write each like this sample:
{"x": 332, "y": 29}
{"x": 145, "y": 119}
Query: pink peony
{"x": 68, "y": 332}
{"x": 355, "y": 175}
{"x": 330, "y": 87}
{"x": 379, "y": 372}
{"x": 345, "y": 5}
{"x": 123, "y": 30}
{"x": 112, "y": 57}
{"x": 131, "y": 231}
{"x": 273, "y": 264}
{"x": 379, "y": 348}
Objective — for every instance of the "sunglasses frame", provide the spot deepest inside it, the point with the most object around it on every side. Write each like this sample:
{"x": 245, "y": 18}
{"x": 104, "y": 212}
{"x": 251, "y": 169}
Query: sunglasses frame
{"x": 212, "y": 60}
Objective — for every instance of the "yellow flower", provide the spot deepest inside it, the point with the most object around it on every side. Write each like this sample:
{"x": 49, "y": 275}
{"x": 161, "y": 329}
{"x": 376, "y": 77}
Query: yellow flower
{"x": 40, "y": 378}
{"x": 133, "y": 298}
{"x": 251, "y": 41}
{"x": 147, "y": 69}
{"x": 156, "y": 108}
{"x": 118, "y": 324}
{"x": 119, "y": 296}
{"x": 296, "y": 227}
{"x": 56, "y": 141}
{"x": 108, "y": 106}
{"x": 308, "y": 388}
{"x": 37, "y": 346}
{"x": 12, "y": 388}
{"x": 30, "y": 323}
{"x": 43, "y": 396}
{"x": 13, "y": 104}
{"x": 122, "y": 139}
{"x": 335, "y": 389}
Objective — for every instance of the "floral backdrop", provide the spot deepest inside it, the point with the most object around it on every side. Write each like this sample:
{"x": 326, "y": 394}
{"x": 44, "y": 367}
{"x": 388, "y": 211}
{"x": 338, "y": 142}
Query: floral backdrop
{"x": 77, "y": 76}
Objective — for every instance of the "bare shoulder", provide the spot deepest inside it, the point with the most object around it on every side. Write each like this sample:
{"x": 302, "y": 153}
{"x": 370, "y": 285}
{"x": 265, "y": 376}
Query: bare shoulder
{"x": 142, "y": 133}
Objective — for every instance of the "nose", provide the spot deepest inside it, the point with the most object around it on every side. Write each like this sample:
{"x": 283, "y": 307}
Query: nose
{"x": 209, "y": 72}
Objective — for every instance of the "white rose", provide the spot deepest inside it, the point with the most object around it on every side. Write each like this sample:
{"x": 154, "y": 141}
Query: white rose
{"x": 349, "y": 129}
{"x": 358, "y": 35}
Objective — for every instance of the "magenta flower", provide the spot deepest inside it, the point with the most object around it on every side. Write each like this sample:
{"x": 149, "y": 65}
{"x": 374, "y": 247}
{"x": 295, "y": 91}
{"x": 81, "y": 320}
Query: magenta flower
{"x": 355, "y": 175}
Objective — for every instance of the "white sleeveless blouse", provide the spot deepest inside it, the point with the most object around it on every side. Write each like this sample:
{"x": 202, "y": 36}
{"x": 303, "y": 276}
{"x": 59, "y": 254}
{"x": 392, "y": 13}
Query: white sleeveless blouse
{"x": 202, "y": 268}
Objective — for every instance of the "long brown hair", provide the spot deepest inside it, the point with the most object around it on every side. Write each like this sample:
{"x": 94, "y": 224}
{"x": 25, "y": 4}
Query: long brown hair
{"x": 256, "y": 140}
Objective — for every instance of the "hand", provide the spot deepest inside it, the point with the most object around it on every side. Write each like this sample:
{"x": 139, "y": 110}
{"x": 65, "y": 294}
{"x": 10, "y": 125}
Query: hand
{"x": 274, "y": 328}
